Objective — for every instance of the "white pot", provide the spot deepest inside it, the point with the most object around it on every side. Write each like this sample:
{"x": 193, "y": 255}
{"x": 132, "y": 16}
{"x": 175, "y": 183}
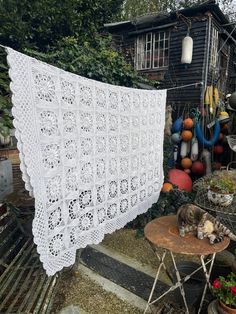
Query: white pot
{"x": 220, "y": 199}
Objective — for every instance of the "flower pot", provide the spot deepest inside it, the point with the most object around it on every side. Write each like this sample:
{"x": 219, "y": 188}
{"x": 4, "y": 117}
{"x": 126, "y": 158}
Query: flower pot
{"x": 226, "y": 308}
{"x": 220, "y": 199}
{"x": 193, "y": 287}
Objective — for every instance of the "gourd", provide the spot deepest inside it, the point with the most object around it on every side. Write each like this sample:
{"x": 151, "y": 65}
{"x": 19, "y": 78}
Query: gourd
{"x": 187, "y": 50}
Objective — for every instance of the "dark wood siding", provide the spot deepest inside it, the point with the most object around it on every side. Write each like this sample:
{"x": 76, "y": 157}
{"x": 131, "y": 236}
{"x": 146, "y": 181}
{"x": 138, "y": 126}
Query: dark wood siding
{"x": 178, "y": 74}
{"x": 182, "y": 74}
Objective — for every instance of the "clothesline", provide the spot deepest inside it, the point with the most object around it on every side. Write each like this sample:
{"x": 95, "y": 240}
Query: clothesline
{"x": 171, "y": 88}
{"x": 183, "y": 86}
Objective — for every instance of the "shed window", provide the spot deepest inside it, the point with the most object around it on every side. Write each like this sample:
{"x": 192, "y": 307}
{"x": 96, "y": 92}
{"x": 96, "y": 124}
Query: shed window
{"x": 152, "y": 51}
{"x": 214, "y": 48}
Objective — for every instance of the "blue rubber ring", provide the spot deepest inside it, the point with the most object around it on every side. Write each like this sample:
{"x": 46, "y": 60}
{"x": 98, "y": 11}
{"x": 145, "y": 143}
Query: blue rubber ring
{"x": 203, "y": 140}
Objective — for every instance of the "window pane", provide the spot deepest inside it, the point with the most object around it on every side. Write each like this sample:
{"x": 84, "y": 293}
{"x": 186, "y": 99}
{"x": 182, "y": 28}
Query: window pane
{"x": 161, "y": 49}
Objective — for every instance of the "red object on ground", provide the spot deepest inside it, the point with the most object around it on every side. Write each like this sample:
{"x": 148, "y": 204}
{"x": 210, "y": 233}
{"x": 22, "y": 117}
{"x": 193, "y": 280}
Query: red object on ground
{"x": 218, "y": 149}
{"x": 180, "y": 179}
{"x": 198, "y": 167}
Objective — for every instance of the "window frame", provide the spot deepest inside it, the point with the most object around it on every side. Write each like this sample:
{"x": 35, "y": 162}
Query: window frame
{"x": 148, "y": 50}
{"x": 214, "y": 60}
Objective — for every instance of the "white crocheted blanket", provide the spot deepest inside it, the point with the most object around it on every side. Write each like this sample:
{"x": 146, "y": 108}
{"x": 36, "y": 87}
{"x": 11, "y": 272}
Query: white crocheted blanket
{"x": 91, "y": 154}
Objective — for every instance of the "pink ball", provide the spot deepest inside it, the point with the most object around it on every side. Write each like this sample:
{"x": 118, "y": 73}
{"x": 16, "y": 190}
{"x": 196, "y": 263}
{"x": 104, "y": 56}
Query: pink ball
{"x": 181, "y": 179}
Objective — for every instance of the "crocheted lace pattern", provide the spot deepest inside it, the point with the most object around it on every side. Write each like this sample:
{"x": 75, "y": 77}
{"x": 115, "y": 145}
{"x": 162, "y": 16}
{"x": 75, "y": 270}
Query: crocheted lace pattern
{"x": 91, "y": 154}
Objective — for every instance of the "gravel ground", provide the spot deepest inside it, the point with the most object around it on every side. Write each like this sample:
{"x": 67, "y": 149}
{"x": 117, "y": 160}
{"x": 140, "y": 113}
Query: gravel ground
{"x": 125, "y": 241}
{"x": 78, "y": 289}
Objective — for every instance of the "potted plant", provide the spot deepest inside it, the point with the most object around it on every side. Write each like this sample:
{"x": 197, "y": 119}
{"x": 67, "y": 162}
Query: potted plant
{"x": 224, "y": 288}
{"x": 221, "y": 190}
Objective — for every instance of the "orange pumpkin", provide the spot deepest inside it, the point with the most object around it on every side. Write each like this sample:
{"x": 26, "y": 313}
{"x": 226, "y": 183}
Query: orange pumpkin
{"x": 186, "y": 163}
{"x": 186, "y": 135}
{"x": 188, "y": 123}
{"x": 167, "y": 187}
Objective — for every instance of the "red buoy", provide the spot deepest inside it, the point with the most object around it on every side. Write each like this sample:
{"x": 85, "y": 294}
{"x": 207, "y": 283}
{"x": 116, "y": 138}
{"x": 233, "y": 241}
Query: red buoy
{"x": 181, "y": 179}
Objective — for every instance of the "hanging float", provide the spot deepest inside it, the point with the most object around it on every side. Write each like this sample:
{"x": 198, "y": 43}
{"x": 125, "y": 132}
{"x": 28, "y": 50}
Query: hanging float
{"x": 201, "y": 138}
{"x": 187, "y": 50}
{"x": 194, "y": 149}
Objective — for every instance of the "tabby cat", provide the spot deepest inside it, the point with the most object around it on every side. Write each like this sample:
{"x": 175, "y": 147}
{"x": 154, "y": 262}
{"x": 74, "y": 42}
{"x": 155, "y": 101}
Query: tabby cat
{"x": 193, "y": 218}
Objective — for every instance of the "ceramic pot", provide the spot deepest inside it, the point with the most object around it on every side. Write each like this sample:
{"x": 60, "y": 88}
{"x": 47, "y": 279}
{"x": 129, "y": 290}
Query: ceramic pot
{"x": 226, "y": 308}
{"x": 220, "y": 199}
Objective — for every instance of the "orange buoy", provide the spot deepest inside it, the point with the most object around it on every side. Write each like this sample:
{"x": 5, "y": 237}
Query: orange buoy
{"x": 186, "y": 135}
{"x": 188, "y": 123}
{"x": 181, "y": 179}
{"x": 186, "y": 163}
{"x": 167, "y": 187}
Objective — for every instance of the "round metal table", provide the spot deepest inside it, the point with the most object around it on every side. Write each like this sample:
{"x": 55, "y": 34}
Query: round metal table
{"x": 163, "y": 233}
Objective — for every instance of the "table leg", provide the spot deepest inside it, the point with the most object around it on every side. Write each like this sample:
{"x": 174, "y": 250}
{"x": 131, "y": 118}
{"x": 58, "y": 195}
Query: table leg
{"x": 155, "y": 281}
{"x": 207, "y": 275}
{"x": 180, "y": 284}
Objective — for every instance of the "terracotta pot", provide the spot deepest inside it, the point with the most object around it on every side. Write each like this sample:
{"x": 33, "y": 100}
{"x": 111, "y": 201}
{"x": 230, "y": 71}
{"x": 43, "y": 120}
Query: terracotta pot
{"x": 226, "y": 308}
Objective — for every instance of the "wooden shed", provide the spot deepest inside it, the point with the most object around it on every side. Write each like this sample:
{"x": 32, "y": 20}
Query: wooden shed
{"x": 152, "y": 43}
